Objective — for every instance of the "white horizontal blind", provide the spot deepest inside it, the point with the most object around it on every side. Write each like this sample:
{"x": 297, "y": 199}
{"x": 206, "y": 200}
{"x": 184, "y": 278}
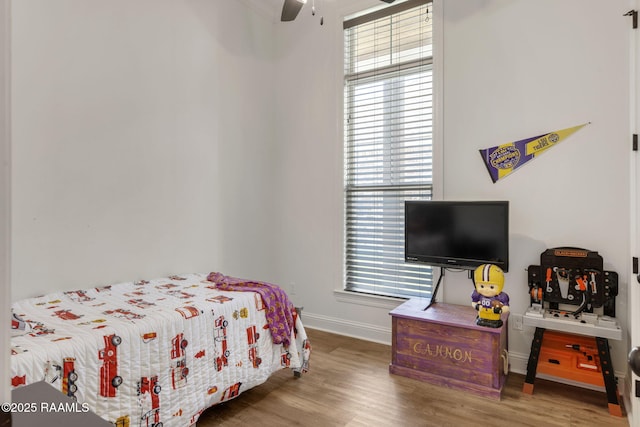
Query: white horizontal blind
{"x": 388, "y": 144}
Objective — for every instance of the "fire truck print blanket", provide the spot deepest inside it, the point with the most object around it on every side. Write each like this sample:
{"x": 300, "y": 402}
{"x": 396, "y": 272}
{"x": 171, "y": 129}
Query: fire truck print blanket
{"x": 153, "y": 353}
{"x": 278, "y": 309}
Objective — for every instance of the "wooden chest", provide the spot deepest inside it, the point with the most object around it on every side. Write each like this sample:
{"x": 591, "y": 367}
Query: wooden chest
{"x": 444, "y": 346}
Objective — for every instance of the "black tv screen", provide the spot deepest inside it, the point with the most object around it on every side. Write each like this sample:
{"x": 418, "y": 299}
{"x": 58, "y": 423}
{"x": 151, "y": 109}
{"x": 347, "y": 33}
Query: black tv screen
{"x": 461, "y": 234}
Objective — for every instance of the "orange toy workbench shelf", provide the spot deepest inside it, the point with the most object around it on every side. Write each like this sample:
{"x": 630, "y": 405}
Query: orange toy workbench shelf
{"x": 579, "y": 358}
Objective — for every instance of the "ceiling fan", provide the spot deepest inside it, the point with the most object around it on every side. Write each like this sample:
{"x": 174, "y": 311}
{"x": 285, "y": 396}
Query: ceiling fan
{"x": 291, "y": 8}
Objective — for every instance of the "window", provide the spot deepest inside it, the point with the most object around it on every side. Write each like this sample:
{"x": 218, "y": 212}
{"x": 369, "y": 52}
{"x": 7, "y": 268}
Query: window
{"x": 388, "y": 144}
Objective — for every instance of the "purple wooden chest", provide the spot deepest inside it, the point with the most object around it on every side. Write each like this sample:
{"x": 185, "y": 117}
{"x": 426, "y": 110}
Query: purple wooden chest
{"x": 443, "y": 345}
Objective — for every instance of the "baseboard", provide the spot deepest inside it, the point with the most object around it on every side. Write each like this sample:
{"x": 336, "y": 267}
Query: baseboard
{"x": 517, "y": 361}
{"x": 627, "y": 392}
{"x": 353, "y": 329}
{"x": 381, "y": 335}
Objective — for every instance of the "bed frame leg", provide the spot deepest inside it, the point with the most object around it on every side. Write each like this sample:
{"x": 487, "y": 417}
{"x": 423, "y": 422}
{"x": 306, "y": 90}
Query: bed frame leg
{"x": 298, "y": 374}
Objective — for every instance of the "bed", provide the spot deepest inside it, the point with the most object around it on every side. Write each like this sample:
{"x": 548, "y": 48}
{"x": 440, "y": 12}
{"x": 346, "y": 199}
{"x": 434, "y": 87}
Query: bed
{"x": 157, "y": 352}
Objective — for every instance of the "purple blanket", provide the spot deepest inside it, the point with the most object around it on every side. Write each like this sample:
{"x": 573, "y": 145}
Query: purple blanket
{"x": 279, "y": 310}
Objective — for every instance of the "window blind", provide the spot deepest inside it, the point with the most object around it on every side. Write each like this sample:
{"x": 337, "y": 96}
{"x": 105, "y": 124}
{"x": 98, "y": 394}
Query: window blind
{"x": 388, "y": 144}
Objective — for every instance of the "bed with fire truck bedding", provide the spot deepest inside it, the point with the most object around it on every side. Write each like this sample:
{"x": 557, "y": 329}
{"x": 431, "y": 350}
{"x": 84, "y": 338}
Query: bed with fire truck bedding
{"x": 158, "y": 352}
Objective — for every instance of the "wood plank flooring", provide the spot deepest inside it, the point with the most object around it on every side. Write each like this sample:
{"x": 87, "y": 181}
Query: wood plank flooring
{"x": 349, "y": 384}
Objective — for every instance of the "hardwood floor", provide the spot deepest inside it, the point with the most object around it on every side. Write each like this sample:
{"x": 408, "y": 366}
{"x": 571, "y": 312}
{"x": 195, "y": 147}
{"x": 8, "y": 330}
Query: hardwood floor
{"x": 349, "y": 384}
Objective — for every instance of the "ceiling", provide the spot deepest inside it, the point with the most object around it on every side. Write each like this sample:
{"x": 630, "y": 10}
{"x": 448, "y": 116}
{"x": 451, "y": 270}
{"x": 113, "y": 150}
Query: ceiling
{"x": 273, "y": 8}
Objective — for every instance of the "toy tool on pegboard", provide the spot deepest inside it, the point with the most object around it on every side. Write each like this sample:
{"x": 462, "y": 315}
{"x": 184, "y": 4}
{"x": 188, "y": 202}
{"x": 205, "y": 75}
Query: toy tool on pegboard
{"x": 575, "y": 278}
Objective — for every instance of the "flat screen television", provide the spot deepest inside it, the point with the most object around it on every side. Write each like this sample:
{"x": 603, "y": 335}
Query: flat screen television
{"x": 457, "y": 234}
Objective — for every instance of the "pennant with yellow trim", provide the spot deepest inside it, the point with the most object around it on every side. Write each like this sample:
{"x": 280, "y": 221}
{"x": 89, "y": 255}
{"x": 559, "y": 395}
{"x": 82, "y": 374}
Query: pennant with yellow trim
{"x": 504, "y": 159}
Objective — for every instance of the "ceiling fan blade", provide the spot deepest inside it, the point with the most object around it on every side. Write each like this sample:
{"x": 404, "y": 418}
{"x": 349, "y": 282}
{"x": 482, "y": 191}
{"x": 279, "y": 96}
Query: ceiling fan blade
{"x": 290, "y": 9}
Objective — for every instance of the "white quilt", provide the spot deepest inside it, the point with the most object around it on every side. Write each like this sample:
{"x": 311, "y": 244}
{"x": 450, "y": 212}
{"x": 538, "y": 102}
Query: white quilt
{"x": 151, "y": 353}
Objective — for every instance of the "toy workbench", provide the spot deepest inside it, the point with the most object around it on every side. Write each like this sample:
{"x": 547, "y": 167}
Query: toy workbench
{"x": 573, "y": 310}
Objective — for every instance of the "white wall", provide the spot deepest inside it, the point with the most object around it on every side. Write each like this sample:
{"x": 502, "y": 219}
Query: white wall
{"x": 564, "y": 75}
{"x": 142, "y": 135}
{"x": 512, "y": 70}
{"x": 5, "y": 195}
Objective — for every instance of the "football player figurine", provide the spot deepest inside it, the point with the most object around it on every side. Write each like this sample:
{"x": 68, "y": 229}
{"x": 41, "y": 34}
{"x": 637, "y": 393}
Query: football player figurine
{"x": 488, "y": 298}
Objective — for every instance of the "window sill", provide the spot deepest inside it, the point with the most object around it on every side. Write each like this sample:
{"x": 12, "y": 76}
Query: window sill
{"x": 388, "y": 303}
